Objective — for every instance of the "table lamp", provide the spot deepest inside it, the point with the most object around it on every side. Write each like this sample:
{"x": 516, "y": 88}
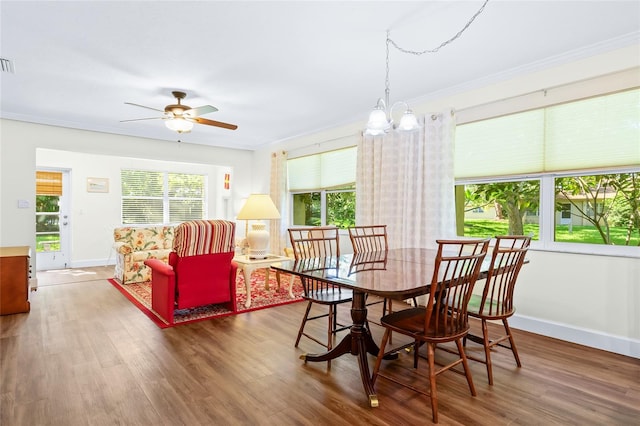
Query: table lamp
{"x": 258, "y": 207}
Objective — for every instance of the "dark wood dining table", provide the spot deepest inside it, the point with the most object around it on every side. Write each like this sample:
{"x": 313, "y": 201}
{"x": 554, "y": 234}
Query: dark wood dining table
{"x": 398, "y": 274}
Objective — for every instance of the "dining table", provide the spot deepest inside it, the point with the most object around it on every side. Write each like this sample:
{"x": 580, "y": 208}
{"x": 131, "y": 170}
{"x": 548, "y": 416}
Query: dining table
{"x": 396, "y": 273}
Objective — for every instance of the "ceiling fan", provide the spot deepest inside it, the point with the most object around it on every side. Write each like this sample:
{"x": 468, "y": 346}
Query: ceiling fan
{"x": 180, "y": 118}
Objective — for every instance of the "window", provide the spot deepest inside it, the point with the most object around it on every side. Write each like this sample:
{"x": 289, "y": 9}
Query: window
{"x": 568, "y": 174}
{"x": 502, "y": 207}
{"x": 322, "y": 188}
{"x": 152, "y": 197}
{"x": 598, "y": 209}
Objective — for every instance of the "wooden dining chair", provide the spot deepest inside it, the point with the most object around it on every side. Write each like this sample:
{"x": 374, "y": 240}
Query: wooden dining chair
{"x": 371, "y": 239}
{"x": 496, "y": 300}
{"x": 318, "y": 243}
{"x": 444, "y": 317}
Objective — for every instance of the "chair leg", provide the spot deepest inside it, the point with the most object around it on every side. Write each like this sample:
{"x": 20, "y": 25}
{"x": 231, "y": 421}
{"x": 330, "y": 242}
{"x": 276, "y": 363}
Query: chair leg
{"x": 304, "y": 321}
{"x": 332, "y": 326}
{"x": 389, "y": 310}
{"x": 433, "y": 394}
{"x": 465, "y": 365}
{"x": 487, "y": 351}
{"x": 383, "y": 344}
{"x": 512, "y": 342}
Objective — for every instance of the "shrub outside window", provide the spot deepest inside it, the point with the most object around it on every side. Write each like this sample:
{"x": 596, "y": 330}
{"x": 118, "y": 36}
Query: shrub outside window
{"x": 324, "y": 208}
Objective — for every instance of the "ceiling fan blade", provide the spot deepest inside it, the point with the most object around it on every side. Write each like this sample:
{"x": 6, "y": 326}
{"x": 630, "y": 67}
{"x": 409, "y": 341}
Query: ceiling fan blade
{"x": 142, "y": 106}
{"x": 198, "y": 111}
{"x": 139, "y": 119}
{"x": 215, "y": 123}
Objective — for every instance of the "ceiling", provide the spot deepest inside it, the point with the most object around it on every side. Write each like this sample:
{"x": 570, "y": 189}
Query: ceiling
{"x": 276, "y": 69}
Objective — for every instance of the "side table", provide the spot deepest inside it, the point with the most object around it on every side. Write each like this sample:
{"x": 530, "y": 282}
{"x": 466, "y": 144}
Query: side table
{"x": 249, "y": 265}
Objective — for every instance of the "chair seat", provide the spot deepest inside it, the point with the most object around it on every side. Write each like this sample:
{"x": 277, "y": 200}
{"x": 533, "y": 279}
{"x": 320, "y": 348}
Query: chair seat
{"x": 329, "y": 297}
{"x": 412, "y": 321}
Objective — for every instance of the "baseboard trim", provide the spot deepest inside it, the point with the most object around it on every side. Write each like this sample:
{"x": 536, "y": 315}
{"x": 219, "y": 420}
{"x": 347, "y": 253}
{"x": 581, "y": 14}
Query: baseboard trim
{"x": 616, "y": 344}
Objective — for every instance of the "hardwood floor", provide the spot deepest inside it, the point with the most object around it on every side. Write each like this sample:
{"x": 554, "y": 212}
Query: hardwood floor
{"x": 85, "y": 355}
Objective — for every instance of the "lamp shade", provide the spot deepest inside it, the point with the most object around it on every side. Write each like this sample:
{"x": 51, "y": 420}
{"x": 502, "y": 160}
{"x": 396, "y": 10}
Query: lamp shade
{"x": 258, "y": 207}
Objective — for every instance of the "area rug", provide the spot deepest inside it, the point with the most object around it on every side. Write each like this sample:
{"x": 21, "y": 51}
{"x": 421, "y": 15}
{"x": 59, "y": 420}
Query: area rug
{"x": 140, "y": 295}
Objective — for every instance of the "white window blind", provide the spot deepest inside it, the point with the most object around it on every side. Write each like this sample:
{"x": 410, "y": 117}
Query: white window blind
{"x": 332, "y": 169}
{"x": 500, "y": 146}
{"x": 603, "y": 131}
{"x": 151, "y": 197}
{"x": 598, "y": 132}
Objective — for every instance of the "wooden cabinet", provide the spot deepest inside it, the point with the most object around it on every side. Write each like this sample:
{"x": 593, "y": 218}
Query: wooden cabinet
{"x": 15, "y": 271}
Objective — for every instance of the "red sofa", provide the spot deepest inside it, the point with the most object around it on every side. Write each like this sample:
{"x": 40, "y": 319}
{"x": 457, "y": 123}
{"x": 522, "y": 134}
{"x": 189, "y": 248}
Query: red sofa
{"x": 200, "y": 271}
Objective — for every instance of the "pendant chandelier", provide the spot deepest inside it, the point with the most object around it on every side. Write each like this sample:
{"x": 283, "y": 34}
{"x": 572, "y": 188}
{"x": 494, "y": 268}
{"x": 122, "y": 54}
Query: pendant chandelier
{"x": 381, "y": 120}
{"x": 381, "y": 117}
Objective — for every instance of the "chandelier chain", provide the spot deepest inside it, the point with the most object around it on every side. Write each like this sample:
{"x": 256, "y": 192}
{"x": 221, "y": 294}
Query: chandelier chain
{"x": 443, "y": 44}
{"x": 386, "y": 81}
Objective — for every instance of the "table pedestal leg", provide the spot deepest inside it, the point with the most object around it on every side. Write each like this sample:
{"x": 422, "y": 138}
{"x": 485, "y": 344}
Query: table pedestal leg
{"x": 358, "y": 342}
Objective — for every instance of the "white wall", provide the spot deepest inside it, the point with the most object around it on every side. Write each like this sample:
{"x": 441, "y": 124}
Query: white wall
{"x": 92, "y": 154}
{"x": 587, "y": 299}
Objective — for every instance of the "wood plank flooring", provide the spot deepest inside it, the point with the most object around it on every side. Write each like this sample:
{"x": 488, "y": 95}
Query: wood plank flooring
{"x": 85, "y": 355}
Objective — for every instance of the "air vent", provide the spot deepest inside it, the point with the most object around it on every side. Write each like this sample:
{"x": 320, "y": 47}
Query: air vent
{"x": 7, "y": 65}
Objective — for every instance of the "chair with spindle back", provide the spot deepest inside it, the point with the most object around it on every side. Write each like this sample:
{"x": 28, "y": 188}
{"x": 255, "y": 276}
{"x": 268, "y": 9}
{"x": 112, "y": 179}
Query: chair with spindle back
{"x": 372, "y": 239}
{"x": 319, "y": 243}
{"x": 496, "y": 300}
{"x": 444, "y": 317}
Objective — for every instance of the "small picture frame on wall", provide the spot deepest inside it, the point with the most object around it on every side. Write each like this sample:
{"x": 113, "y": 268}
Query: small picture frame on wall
{"x": 97, "y": 184}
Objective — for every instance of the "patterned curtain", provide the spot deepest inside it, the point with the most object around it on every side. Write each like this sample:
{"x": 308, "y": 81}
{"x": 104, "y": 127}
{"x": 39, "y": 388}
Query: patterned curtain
{"x": 278, "y": 228}
{"x": 406, "y": 181}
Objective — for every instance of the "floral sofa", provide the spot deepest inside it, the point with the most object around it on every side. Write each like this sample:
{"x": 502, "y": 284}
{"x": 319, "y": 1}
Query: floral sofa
{"x": 134, "y": 245}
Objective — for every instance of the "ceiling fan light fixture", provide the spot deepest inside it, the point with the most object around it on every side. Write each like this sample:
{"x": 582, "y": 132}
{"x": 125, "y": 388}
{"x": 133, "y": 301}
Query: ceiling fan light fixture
{"x": 179, "y": 125}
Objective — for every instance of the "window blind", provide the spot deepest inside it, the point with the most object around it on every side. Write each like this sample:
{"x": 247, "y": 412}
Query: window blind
{"x": 603, "y": 131}
{"x": 48, "y": 183}
{"x": 151, "y": 197}
{"x": 331, "y": 169}
{"x": 142, "y": 197}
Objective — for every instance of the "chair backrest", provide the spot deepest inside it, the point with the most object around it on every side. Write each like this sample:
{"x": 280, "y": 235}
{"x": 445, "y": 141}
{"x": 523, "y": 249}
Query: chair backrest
{"x": 313, "y": 242}
{"x": 506, "y": 260}
{"x": 310, "y": 245}
{"x": 457, "y": 266}
{"x": 197, "y": 237}
{"x": 368, "y": 238}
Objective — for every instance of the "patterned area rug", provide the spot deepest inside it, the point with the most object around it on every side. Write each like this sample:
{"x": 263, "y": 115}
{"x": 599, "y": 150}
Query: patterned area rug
{"x": 140, "y": 295}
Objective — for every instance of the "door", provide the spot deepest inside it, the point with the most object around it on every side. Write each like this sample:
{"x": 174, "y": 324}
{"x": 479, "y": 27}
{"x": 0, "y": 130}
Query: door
{"x": 52, "y": 219}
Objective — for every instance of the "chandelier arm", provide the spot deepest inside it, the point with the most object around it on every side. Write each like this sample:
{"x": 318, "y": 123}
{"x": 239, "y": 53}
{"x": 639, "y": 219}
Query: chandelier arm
{"x": 443, "y": 44}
